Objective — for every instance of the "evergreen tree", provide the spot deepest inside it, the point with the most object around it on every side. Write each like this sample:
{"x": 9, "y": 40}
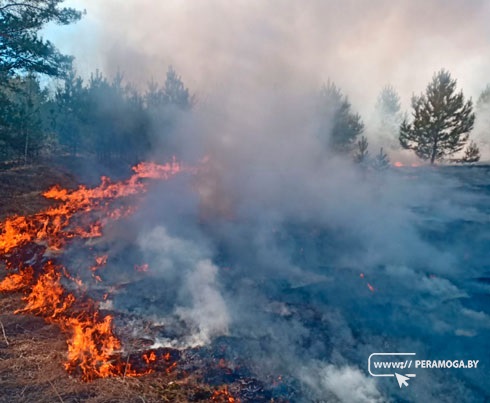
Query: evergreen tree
{"x": 155, "y": 96}
{"x": 21, "y": 47}
{"x": 339, "y": 126}
{"x": 442, "y": 120}
{"x": 484, "y": 98}
{"x": 361, "y": 156}
{"x": 166, "y": 106}
{"x": 70, "y": 102}
{"x": 388, "y": 116}
{"x": 21, "y": 122}
{"x": 388, "y": 103}
{"x": 471, "y": 154}
{"x": 482, "y": 121}
{"x": 381, "y": 161}
{"x": 175, "y": 91}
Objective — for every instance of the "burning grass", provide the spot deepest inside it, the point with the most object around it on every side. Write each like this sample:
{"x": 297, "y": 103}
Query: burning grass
{"x": 58, "y": 343}
{"x": 31, "y": 369}
{"x": 68, "y": 330}
{"x": 93, "y": 348}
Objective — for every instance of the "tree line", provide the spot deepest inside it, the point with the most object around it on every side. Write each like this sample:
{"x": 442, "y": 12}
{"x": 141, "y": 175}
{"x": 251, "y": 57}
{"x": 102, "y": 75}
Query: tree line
{"x": 103, "y": 118}
{"x": 438, "y": 129}
{"x": 114, "y": 121}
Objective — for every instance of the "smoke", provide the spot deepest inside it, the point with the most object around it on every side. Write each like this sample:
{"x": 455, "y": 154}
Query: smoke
{"x": 183, "y": 264}
{"x": 213, "y": 44}
{"x": 304, "y": 262}
{"x": 328, "y": 383}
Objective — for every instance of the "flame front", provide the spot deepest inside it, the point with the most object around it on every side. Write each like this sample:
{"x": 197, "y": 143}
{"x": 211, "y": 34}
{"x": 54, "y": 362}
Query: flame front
{"x": 223, "y": 395}
{"x": 94, "y": 351}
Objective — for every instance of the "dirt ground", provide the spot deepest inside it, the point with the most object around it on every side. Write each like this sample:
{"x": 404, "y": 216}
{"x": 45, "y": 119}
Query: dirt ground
{"x": 32, "y": 352}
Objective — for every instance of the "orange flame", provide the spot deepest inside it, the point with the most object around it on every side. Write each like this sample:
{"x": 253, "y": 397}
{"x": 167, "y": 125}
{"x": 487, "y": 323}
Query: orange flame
{"x": 17, "y": 281}
{"x": 91, "y": 346}
{"x": 94, "y": 351}
{"x": 150, "y": 358}
{"x": 223, "y": 395}
{"x": 100, "y": 261}
{"x": 49, "y": 225}
{"x": 47, "y": 297}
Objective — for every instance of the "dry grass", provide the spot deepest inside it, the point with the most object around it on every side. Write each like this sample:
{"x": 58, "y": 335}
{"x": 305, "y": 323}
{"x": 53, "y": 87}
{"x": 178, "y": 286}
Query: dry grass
{"x": 21, "y": 188}
{"x": 31, "y": 369}
{"x": 32, "y": 352}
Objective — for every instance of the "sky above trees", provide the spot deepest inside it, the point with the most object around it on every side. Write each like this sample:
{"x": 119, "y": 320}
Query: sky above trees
{"x": 217, "y": 44}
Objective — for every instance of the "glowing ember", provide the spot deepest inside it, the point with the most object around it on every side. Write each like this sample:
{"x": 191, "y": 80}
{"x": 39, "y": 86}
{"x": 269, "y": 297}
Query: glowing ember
{"x": 142, "y": 268}
{"x": 100, "y": 261}
{"x": 149, "y": 358}
{"x": 223, "y": 395}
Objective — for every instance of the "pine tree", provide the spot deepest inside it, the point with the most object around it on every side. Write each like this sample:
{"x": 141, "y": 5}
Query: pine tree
{"x": 175, "y": 91}
{"x": 442, "y": 120}
{"x": 471, "y": 154}
{"x": 388, "y": 116}
{"x": 21, "y": 123}
{"x": 70, "y": 102}
{"x": 339, "y": 126}
{"x": 388, "y": 103}
{"x": 361, "y": 156}
{"x": 381, "y": 161}
{"x": 484, "y": 98}
{"x": 21, "y": 48}
{"x": 482, "y": 121}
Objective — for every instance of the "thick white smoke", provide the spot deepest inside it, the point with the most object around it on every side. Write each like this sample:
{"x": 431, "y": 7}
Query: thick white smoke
{"x": 329, "y": 384}
{"x": 276, "y": 240}
{"x": 182, "y": 264}
{"x": 361, "y": 46}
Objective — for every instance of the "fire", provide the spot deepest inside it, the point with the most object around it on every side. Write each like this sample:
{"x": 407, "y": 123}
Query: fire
{"x": 223, "y": 395}
{"x": 53, "y": 224}
{"x": 398, "y": 164}
{"x": 150, "y": 358}
{"x": 47, "y": 296}
{"x": 100, "y": 261}
{"x": 371, "y": 288}
{"x": 92, "y": 346}
{"x": 17, "y": 281}
{"x": 94, "y": 350}
{"x": 142, "y": 268}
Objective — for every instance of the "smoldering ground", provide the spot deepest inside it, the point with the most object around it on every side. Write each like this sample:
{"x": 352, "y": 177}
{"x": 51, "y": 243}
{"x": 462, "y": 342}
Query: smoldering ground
{"x": 302, "y": 262}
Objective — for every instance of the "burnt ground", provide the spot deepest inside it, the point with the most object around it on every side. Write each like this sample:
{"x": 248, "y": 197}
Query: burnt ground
{"x": 21, "y": 187}
{"x": 32, "y": 352}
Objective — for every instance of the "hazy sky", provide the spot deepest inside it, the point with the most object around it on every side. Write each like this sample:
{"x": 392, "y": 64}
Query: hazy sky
{"x": 361, "y": 45}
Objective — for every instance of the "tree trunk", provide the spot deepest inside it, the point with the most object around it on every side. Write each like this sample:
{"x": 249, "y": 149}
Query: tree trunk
{"x": 26, "y": 149}
{"x": 434, "y": 152}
